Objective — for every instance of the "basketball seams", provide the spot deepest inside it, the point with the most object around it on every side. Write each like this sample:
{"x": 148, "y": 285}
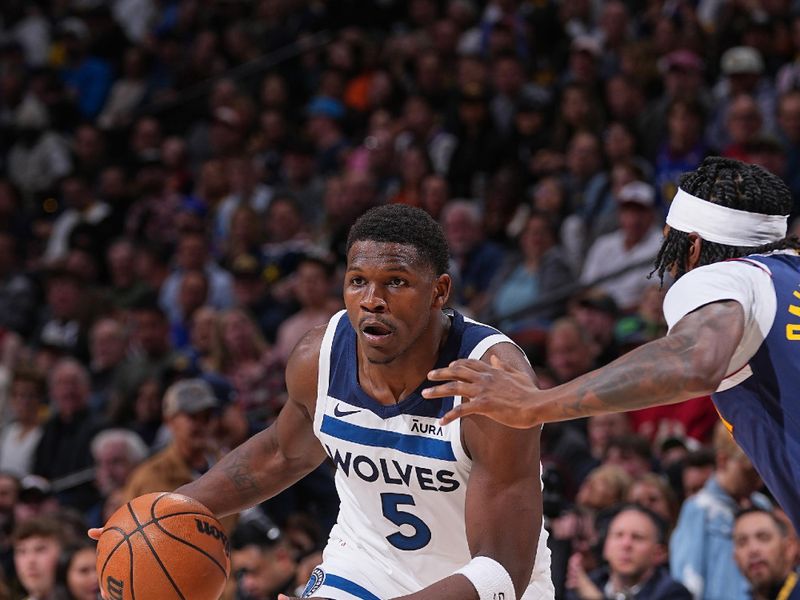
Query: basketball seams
{"x": 114, "y": 549}
{"x": 153, "y": 550}
{"x": 155, "y": 520}
{"x": 200, "y": 550}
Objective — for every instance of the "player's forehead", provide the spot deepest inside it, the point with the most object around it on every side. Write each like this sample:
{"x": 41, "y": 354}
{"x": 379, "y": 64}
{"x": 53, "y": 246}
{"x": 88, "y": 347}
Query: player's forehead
{"x": 389, "y": 256}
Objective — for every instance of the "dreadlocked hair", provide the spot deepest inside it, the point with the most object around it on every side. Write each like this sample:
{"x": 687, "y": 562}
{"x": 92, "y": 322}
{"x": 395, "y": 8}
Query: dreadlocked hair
{"x": 733, "y": 184}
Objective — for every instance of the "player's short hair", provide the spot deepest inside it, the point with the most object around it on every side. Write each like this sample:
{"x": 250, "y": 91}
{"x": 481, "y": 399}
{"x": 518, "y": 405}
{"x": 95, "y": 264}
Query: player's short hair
{"x": 733, "y": 184}
{"x": 407, "y": 225}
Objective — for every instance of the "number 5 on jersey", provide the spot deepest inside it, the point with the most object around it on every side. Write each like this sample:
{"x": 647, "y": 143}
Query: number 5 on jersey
{"x": 422, "y": 533}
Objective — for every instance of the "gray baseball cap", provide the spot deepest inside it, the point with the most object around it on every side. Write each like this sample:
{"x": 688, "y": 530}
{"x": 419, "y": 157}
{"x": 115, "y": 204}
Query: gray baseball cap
{"x": 189, "y": 396}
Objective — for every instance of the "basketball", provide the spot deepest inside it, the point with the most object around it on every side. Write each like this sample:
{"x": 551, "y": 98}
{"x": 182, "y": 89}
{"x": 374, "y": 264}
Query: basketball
{"x": 162, "y": 546}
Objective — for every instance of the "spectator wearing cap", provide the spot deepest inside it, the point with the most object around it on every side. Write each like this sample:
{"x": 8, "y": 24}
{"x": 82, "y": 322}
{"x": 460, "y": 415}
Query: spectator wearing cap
{"x": 89, "y": 77}
{"x": 683, "y": 74}
{"x": 619, "y": 262}
{"x": 584, "y": 62}
{"x": 252, "y": 293}
{"x": 20, "y": 437}
{"x": 635, "y": 549}
{"x": 36, "y": 499}
{"x": 64, "y": 447}
{"x": 188, "y": 411}
{"x": 701, "y": 548}
{"x": 597, "y": 312}
{"x": 742, "y": 72}
{"x": 324, "y": 125}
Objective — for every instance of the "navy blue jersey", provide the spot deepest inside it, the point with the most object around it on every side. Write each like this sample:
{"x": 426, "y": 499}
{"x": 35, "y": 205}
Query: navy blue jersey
{"x": 763, "y": 411}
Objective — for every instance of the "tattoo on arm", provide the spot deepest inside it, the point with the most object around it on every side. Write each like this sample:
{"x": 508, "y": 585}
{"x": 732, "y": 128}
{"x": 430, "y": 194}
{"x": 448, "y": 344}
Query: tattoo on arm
{"x": 240, "y": 473}
{"x": 671, "y": 369}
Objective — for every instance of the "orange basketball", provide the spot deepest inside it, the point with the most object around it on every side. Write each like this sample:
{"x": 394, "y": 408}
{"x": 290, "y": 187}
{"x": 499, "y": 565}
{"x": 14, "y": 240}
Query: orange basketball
{"x": 162, "y": 547}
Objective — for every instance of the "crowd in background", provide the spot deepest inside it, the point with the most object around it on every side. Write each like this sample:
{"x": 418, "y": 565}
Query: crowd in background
{"x": 177, "y": 180}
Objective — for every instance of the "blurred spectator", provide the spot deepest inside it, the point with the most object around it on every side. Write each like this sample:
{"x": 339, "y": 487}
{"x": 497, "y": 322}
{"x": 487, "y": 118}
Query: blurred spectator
{"x": 36, "y": 499}
{"x": 20, "y": 437}
{"x": 263, "y": 560}
{"x": 188, "y": 408}
{"x": 743, "y": 122}
{"x": 654, "y": 492}
{"x": 434, "y": 195}
{"x": 192, "y": 255}
{"x": 126, "y": 288}
{"x": 474, "y": 259}
{"x": 302, "y": 181}
{"x": 646, "y": 324}
{"x": 116, "y": 452}
{"x": 571, "y": 351}
{"x": 620, "y": 262}
{"x": 601, "y": 429}
{"x": 81, "y": 206}
{"x": 192, "y": 294}
{"x": 324, "y": 128}
{"x": 742, "y": 70}
{"x": 76, "y": 576}
{"x": 538, "y": 270}
{"x": 636, "y": 550}
{"x": 765, "y": 553}
{"x": 66, "y": 438}
{"x": 38, "y": 544}
{"x": 789, "y": 128}
{"x": 127, "y": 93}
{"x": 604, "y": 487}
{"x": 108, "y": 346}
{"x": 597, "y": 312}
{"x": 701, "y": 554}
{"x": 87, "y": 77}
{"x": 317, "y": 305}
{"x": 17, "y": 293}
{"x": 39, "y": 157}
{"x": 151, "y": 351}
{"x": 631, "y": 452}
{"x": 698, "y": 466}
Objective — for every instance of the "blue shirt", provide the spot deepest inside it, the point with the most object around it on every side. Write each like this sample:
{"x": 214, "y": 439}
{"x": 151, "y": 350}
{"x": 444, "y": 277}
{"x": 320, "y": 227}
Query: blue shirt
{"x": 701, "y": 547}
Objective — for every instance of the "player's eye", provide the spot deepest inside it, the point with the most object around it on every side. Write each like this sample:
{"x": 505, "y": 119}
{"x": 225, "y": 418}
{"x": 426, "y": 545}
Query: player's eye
{"x": 356, "y": 281}
{"x": 397, "y": 282}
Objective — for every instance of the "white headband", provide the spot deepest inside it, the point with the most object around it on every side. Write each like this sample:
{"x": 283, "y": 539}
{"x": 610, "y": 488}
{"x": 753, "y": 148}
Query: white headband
{"x": 723, "y": 225}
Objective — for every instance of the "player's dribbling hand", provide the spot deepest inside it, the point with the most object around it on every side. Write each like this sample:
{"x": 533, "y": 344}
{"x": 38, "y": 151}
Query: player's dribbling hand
{"x": 495, "y": 390}
{"x": 95, "y": 533}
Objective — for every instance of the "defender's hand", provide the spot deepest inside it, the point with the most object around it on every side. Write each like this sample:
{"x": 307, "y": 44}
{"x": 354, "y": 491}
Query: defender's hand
{"x": 95, "y": 533}
{"x": 497, "y": 391}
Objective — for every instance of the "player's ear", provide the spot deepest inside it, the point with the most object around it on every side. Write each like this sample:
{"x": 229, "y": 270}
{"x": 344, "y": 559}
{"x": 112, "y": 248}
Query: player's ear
{"x": 695, "y": 246}
{"x": 441, "y": 290}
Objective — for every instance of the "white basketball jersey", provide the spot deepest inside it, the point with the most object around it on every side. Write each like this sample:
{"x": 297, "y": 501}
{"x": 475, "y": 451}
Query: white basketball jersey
{"x": 401, "y": 478}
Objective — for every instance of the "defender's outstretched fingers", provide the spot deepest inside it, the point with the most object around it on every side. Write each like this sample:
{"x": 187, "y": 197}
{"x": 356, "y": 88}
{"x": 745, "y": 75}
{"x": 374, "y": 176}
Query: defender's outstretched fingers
{"x": 462, "y": 410}
{"x": 451, "y": 388}
{"x": 464, "y": 369}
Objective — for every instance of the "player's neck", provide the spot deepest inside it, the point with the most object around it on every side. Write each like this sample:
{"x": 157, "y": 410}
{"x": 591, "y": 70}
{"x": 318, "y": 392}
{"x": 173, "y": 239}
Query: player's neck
{"x": 392, "y": 382}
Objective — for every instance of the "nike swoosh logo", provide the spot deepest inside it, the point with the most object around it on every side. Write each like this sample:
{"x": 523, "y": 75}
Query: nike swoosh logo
{"x": 344, "y": 413}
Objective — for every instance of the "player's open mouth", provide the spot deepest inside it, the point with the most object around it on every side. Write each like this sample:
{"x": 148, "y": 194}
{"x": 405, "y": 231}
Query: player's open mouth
{"x": 374, "y": 331}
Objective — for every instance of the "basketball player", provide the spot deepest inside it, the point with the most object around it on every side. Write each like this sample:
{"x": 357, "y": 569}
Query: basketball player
{"x": 427, "y": 511}
{"x": 734, "y": 318}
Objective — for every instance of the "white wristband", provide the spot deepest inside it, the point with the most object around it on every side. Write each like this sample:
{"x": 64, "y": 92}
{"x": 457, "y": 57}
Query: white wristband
{"x": 490, "y": 579}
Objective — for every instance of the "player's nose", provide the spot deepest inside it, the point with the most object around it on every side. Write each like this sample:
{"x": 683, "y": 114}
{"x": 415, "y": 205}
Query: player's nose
{"x": 372, "y": 300}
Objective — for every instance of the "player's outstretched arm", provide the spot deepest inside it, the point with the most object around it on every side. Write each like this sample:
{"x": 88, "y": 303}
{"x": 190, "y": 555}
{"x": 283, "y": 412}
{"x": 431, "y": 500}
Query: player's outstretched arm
{"x": 277, "y": 457}
{"x": 503, "y": 507}
{"x": 689, "y": 362}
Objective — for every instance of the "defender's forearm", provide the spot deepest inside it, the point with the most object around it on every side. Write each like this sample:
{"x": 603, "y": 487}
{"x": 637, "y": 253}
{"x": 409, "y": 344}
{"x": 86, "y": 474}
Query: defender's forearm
{"x": 662, "y": 372}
